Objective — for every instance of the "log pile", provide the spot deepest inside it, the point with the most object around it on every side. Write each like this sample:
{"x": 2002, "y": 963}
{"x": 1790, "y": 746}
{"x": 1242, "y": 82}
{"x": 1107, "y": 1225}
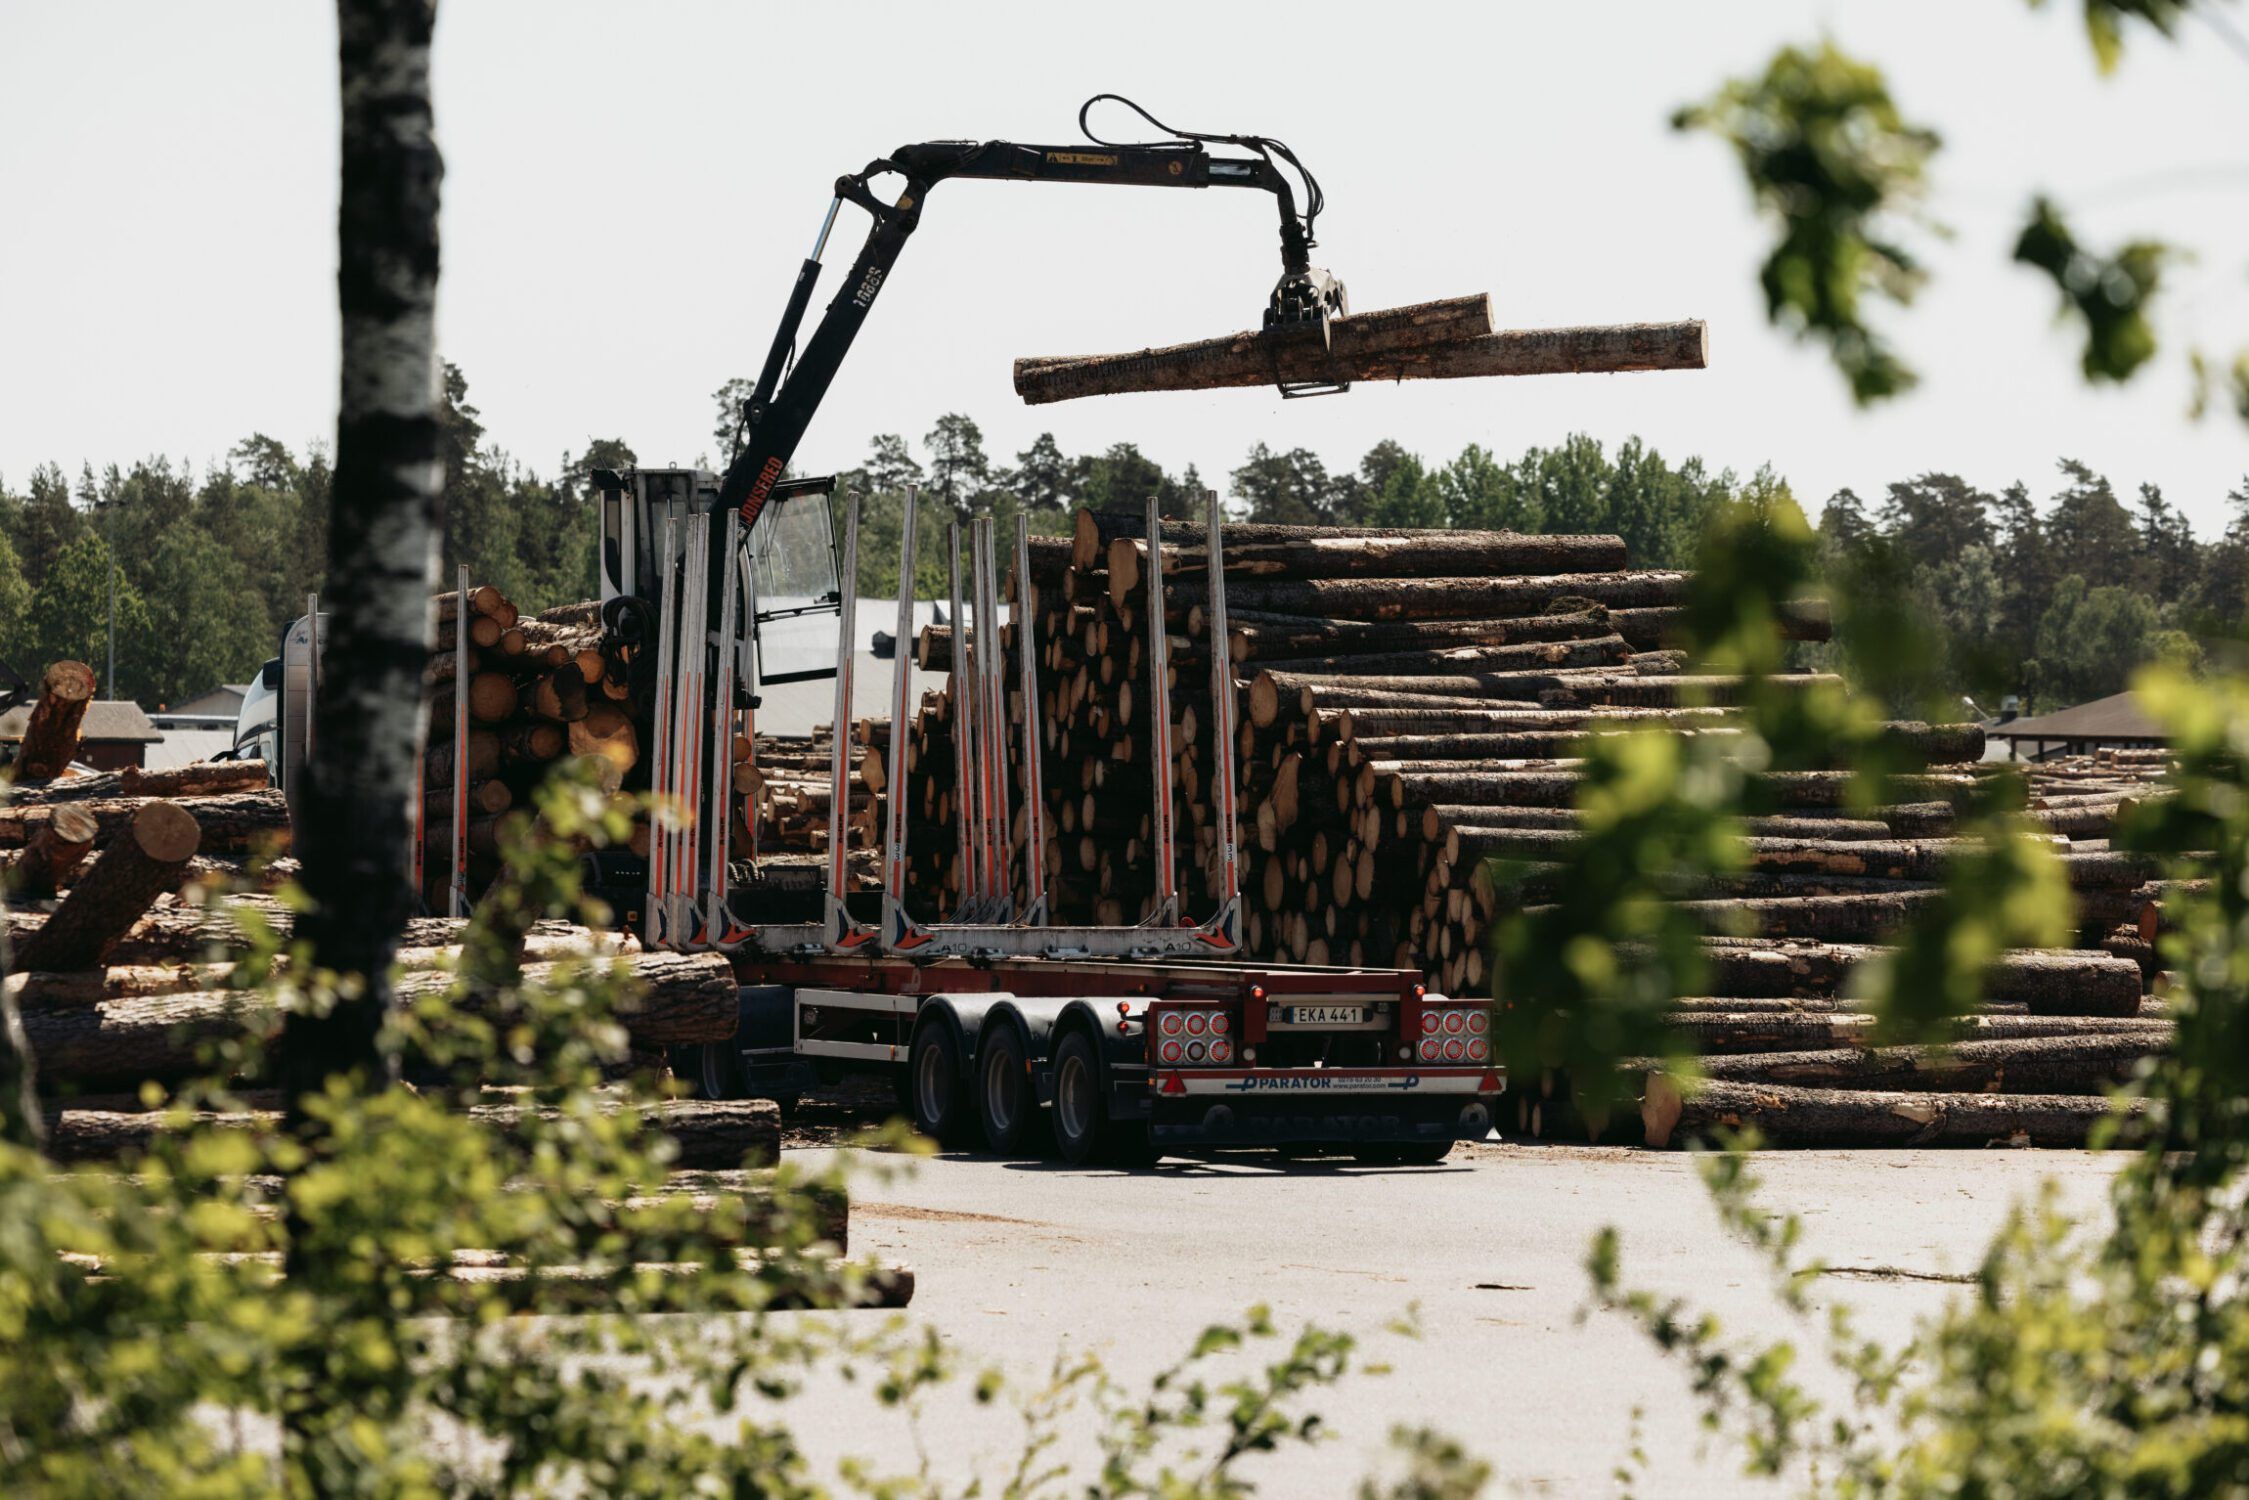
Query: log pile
{"x": 540, "y": 689}
{"x": 1409, "y": 706}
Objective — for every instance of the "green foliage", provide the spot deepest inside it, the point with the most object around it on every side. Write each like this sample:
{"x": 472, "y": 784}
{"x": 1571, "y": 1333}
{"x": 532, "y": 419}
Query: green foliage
{"x": 2109, "y": 293}
{"x": 1829, "y": 154}
{"x": 2105, "y": 21}
{"x": 1998, "y": 598}
{"x": 149, "y": 1339}
{"x": 70, "y": 616}
{"x": 2106, "y": 1357}
{"x": 1586, "y": 976}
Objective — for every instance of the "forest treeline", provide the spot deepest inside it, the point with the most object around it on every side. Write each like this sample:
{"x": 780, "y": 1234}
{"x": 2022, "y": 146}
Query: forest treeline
{"x": 2054, "y": 598}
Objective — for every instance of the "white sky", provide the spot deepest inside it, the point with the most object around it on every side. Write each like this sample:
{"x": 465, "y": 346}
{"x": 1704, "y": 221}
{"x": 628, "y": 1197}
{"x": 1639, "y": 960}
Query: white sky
{"x": 630, "y": 187}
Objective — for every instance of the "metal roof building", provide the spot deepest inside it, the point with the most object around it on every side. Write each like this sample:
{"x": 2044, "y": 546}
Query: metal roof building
{"x": 2114, "y": 720}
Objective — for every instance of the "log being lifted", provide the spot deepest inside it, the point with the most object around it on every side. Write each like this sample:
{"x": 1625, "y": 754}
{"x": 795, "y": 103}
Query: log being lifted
{"x": 50, "y": 736}
{"x": 1419, "y": 347}
{"x": 140, "y": 862}
{"x": 1839, "y": 1117}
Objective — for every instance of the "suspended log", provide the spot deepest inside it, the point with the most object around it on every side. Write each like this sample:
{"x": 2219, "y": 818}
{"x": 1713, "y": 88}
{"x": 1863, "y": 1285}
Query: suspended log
{"x": 61, "y": 838}
{"x": 2020, "y": 1065}
{"x": 1251, "y": 359}
{"x": 50, "y": 736}
{"x": 1259, "y": 357}
{"x": 1836, "y": 1117}
{"x": 138, "y": 863}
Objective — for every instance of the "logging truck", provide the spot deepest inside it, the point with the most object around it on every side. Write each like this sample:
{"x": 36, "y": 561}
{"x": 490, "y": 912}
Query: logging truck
{"x": 990, "y": 1020}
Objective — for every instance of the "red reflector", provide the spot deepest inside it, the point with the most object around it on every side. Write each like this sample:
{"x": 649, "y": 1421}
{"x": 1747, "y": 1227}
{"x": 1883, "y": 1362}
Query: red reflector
{"x": 1173, "y": 1085}
{"x": 1490, "y": 1085}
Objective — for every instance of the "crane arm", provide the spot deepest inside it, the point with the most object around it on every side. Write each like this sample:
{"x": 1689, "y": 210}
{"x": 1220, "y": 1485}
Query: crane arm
{"x": 786, "y": 396}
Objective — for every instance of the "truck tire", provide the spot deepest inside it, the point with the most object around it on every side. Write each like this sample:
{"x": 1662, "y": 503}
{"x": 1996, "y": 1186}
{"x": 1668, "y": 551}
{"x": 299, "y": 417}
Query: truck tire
{"x": 1006, "y": 1102}
{"x": 712, "y": 1069}
{"x": 934, "y": 1099}
{"x": 1083, "y": 1131}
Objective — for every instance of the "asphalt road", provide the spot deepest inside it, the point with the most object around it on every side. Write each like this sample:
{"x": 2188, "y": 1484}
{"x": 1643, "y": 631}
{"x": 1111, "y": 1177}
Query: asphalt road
{"x": 1018, "y": 1260}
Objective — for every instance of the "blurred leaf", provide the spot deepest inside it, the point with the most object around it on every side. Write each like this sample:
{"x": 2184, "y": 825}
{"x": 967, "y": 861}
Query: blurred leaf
{"x": 1827, "y": 152}
{"x": 2105, "y": 21}
{"x": 2110, "y": 293}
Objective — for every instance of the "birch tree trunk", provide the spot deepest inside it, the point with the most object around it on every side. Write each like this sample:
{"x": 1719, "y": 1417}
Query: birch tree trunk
{"x": 355, "y": 813}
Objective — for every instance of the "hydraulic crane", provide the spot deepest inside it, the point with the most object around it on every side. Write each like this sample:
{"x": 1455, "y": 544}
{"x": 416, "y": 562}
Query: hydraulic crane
{"x": 1139, "y": 1038}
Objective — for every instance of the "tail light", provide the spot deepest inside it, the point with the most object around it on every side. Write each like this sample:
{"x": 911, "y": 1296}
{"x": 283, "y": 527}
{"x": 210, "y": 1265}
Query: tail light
{"x": 1455, "y": 1022}
{"x": 1193, "y": 1034}
{"x": 1478, "y": 1049}
{"x": 1429, "y": 1048}
{"x": 1455, "y": 1049}
{"x": 1430, "y": 1021}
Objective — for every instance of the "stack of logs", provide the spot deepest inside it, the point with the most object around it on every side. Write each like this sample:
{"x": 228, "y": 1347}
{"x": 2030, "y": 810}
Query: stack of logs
{"x": 1408, "y": 707}
{"x": 541, "y": 688}
{"x": 785, "y": 782}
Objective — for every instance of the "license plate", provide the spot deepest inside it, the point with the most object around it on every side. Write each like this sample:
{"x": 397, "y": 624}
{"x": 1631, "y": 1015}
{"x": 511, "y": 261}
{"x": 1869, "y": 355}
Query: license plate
{"x": 1323, "y": 1015}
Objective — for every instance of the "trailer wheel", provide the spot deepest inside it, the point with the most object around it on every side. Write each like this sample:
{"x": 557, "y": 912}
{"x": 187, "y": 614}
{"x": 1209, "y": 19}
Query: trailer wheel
{"x": 1007, "y": 1103}
{"x": 933, "y": 1084}
{"x": 1082, "y": 1127}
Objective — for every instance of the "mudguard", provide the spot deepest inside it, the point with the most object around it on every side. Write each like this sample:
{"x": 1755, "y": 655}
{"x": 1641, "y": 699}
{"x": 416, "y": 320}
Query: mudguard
{"x": 967, "y": 1013}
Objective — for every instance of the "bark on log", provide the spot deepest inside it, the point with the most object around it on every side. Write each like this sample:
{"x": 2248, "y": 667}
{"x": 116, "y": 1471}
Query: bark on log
{"x": 2050, "y": 981}
{"x": 1263, "y": 637}
{"x": 50, "y": 737}
{"x": 1430, "y": 598}
{"x": 2021, "y": 1065}
{"x": 1797, "y": 619}
{"x": 59, "y": 839}
{"x": 1837, "y": 1117}
{"x": 1540, "y": 351}
{"x": 711, "y": 1134}
{"x": 679, "y": 999}
{"x": 1093, "y": 530}
{"x": 235, "y": 823}
{"x": 139, "y": 863}
{"x": 1257, "y": 357}
{"x": 1437, "y": 661}
{"x": 1426, "y": 554}
{"x": 202, "y": 779}
{"x": 1767, "y": 1031}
